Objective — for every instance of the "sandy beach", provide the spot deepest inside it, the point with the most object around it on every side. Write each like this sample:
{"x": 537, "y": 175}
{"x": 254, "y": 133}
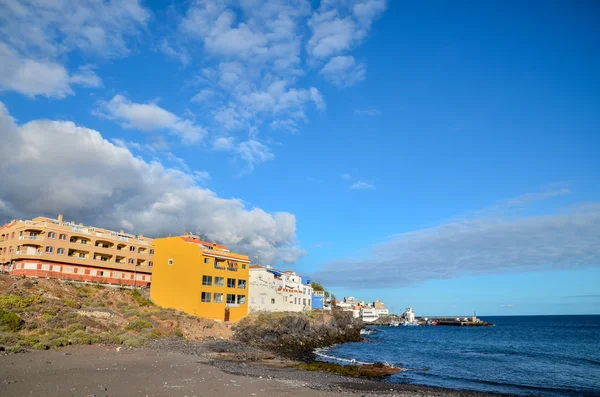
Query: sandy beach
{"x": 107, "y": 371}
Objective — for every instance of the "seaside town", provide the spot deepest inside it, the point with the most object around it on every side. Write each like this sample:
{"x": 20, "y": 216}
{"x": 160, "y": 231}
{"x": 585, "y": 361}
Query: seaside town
{"x": 181, "y": 272}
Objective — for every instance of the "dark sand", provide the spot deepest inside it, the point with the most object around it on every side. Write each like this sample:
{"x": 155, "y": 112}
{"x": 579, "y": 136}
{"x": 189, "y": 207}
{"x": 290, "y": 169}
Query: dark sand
{"x": 104, "y": 371}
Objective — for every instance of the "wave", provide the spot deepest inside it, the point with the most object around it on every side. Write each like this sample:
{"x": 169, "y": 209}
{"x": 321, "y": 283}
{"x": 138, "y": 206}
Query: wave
{"x": 320, "y": 353}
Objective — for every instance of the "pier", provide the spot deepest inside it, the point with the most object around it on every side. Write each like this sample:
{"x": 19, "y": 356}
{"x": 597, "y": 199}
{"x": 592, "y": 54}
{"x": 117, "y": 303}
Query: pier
{"x": 470, "y": 321}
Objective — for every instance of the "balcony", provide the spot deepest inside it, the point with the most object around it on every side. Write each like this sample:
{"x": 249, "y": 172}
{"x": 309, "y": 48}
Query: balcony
{"x": 29, "y": 238}
{"x": 104, "y": 244}
{"x": 21, "y": 252}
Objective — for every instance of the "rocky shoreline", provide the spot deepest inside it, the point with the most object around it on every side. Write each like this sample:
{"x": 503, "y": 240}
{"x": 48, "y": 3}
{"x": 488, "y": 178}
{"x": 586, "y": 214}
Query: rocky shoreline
{"x": 237, "y": 358}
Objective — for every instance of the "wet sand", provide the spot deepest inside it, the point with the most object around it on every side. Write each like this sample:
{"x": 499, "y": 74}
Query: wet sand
{"x": 103, "y": 371}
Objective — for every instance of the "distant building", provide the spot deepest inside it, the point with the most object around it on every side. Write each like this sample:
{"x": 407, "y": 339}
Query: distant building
{"x": 200, "y": 278}
{"x": 274, "y": 290}
{"x": 318, "y": 300}
{"x": 52, "y": 248}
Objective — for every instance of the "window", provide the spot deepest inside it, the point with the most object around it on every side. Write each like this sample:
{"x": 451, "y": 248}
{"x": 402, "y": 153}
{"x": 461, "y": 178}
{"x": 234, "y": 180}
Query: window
{"x": 230, "y": 298}
{"x": 243, "y": 265}
{"x": 218, "y": 298}
{"x": 304, "y": 301}
{"x": 150, "y": 263}
{"x": 20, "y": 234}
{"x": 262, "y": 300}
{"x": 241, "y": 299}
{"x": 206, "y": 297}
{"x": 272, "y": 301}
{"x": 253, "y": 300}
{"x": 219, "y": 281}
{"x": 206, "y": 280}
{"x": 51, "y": 235}
{"x": 49, "y": 250}
{"x": 206, "y": 260}
{"x": 295, "y": 301}
{"x": 130, "y": 261}
{"x": 242, "y": 284}
{"x": 231, "y": 283}
{"x": 151, "y": 252}
{"x": 170, "y": 262}
{"x": 101, "y": 273}
{"x": 62, "y": 236}
{"x": 81, "y": 255}
{"x": 132, "y": 248}
{"x": 12, "y": 235}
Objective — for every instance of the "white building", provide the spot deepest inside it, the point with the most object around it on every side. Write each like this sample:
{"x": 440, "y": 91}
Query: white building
{"x": 272, "y": 290}
{"x": 383, "y": 312}
{"x": 409, "y": 315}
{"x": 368, "y": 314}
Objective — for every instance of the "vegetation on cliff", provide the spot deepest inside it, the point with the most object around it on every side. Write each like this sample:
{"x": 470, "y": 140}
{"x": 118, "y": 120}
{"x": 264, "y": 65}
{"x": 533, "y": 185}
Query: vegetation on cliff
{"x": 296, "y": 335}
{"x": 44, "y": 314}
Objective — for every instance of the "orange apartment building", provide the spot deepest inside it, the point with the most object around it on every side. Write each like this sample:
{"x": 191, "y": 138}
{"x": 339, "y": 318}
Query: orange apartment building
{"x": 52, "y": 248}
{"x": 200, "y": 278}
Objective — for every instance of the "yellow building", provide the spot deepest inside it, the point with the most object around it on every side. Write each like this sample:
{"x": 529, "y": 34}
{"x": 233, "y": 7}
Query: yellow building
{"x": 200, "y": 278}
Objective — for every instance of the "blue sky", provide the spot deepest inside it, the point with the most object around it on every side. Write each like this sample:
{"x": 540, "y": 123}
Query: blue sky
{"x": 439, "y": 155}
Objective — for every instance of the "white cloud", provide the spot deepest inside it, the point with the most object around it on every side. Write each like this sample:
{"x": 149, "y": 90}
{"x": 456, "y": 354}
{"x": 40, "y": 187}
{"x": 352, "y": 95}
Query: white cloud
{"x": 86, "y": 77}
{"x": 346, "y": 176}
{"x": 105, "y": 185}
{"x": 338, "y": 27}
{"x": 149, "y": 117}
{"x": 52, "y": 28}
{"x": 30, "y": 77}
{"x": 343, "y": 71}
{"x": 253, "y": 153}
{"x": 223, "y": 143}
{"x": 256, "y": 51}
{"x": 331, "y": 34}
{"x": 360, "y": 185}
{"x": 37, "y": 35}
{"x": 485, "y": 244}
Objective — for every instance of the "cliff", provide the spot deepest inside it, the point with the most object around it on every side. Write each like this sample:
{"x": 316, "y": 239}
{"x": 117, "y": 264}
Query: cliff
{"x": 296, "y": 335}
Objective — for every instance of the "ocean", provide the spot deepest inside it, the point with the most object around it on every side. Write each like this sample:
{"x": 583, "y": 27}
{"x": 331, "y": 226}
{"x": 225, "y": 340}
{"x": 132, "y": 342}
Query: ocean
{"x": 523, "y": 355}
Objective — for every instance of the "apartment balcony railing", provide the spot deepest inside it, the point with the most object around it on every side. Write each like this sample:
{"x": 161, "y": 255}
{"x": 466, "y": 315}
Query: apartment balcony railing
{"x": 36, "y": 238}
{"x": 29, "y": 253}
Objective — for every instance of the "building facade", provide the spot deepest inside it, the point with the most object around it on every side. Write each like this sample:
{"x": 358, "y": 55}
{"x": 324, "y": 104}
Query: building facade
{"x": 318, "y": 300}
{"x": 200, "y": 278}
{"x": 273, "y": 290}
{"x": 53, "y": 248}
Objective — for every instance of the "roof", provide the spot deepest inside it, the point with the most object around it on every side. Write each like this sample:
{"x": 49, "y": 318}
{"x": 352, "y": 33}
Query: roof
{"x": 198, "y": 241}
{"x": 256, "y": 267}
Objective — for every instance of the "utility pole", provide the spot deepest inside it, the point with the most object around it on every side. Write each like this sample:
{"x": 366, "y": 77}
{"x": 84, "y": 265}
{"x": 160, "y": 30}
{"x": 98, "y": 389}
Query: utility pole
{"x": 135, "y": 275}
{"x": 257, "y": 256}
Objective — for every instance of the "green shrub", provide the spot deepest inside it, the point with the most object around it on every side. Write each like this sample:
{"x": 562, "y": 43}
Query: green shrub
{"x": 133, "y": 340}
{"x": 41, "y": 346}
{"x": 75, "y": 327}
{"x": 8, "y": 339}
{"x": 10, "y": 321}
{"x": 138, "y": 325}
{"x": 72, "y": 303}
{"x": 137, "y": 296}
{"x": 80, "y": 337}
{"x": 18, "y": 302}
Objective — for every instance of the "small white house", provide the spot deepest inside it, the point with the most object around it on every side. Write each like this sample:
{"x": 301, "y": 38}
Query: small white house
{"x": 272, "y": 290}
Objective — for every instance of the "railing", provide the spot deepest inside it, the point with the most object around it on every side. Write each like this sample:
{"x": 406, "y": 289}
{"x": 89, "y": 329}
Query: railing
{"x": 219, "y": 267}
{"x": 78, "y": 257}
{"x": 28, "y": 253}
{"x": 31, "y": 238}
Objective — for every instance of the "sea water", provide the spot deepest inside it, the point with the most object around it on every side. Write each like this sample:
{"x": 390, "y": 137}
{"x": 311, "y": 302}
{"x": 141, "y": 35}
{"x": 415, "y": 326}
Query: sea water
{"x": 524, "y": 355}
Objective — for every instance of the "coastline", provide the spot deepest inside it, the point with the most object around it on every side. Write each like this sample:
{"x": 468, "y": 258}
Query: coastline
{"x": 175, "y": 367}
